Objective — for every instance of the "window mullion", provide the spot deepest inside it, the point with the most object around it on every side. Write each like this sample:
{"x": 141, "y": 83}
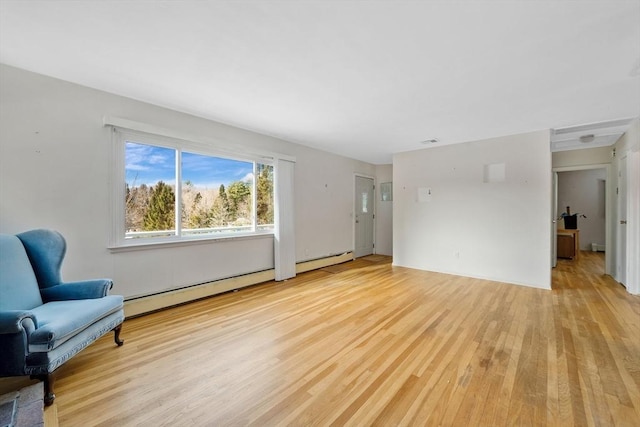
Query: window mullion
{"x": 254, "y": 197}
{"x": 178, "y": 195}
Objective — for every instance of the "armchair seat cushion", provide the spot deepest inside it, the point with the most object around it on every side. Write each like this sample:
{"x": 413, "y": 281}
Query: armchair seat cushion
{"x": 54, "y": 328}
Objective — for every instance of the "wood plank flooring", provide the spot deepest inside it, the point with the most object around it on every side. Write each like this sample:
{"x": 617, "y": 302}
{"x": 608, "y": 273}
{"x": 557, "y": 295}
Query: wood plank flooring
{"x": 368, "y": 344}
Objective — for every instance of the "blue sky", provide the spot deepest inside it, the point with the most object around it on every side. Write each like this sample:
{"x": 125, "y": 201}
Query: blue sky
{"x": 146, "y": 164}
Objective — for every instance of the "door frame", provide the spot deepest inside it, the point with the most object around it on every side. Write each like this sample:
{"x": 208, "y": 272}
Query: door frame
{"x": 621, "y": 244}
{"x": 353, "y": 210}
{"x": 610, "y": 241}
{"x": 633, "y": 225}
{"x": 554, "y": 219}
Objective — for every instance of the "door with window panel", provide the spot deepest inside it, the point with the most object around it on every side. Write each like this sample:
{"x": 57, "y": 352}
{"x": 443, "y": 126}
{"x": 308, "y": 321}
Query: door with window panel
{"x": 364, "y": 217}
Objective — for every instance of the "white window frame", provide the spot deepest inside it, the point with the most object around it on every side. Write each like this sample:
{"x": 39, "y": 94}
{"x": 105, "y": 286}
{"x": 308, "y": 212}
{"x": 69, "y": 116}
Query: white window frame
{"x": 120, "y": 135}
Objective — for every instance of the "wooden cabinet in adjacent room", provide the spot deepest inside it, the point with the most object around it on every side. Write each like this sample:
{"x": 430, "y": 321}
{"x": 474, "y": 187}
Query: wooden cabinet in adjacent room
{"x": 568, "y": 244}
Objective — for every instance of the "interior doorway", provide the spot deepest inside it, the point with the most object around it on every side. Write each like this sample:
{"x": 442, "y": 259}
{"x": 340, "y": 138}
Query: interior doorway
{"x": 586, "y": 190}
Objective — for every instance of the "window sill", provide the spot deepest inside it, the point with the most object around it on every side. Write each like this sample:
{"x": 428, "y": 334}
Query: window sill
{"x": 161, "y": 243}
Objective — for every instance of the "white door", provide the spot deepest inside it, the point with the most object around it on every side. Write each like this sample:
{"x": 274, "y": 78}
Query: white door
{"x": 364, "y": 217}
{"x": 621, "y": 256}
{"x": 554, "y": 216}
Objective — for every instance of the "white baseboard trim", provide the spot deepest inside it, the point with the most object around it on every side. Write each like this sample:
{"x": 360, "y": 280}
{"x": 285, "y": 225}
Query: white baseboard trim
{"x": 139, "y": 306}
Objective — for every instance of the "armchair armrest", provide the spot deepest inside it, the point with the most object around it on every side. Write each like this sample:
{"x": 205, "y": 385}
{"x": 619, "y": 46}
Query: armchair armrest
{"x": 14, "y": 321}
{"x": 86, "y": 289}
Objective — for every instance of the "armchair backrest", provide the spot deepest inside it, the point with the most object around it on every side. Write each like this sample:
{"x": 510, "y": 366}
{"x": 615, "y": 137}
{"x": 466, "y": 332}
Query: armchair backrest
{"x": 18, "y": 284}
{"x": 46, "y": 250}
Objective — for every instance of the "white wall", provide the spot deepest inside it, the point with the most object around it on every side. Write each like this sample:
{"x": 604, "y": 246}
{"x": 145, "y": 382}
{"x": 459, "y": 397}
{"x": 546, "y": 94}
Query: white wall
{"x": 324, "y": 190}
{"x": 584, "y": 192}
{"x": 55, "y": 173}
{"x": 498, "y": 231}
{"x": 384, "y": 213}
{"x": 582, "y": 157}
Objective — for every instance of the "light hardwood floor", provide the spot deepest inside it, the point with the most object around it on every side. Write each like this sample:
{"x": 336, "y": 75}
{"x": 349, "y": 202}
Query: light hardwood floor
{"x": 365, "y": 343}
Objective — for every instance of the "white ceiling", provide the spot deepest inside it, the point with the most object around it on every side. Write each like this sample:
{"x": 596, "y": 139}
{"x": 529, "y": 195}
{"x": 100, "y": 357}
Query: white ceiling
{"x": 364, "y": 79}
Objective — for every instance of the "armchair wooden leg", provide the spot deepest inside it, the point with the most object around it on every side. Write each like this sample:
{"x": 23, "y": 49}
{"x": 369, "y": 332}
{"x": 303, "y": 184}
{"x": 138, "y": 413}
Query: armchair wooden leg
{"x": 49, "y": 395}
{"x": 116, "y": 337}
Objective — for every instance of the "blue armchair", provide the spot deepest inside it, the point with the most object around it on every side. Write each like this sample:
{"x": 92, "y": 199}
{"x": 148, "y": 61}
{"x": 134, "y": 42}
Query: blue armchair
{"x": 43, "y": 320}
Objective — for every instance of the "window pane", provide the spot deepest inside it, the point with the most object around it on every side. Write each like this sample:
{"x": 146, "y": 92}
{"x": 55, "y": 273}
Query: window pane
{"x": 216, "y": 194}
{"x": 264, "y": 199}
{"x": 150, "y": 185}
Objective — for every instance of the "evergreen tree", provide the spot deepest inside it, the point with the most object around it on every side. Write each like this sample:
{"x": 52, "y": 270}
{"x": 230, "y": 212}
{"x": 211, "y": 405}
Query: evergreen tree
{"x": 161, "y": 212}
{"x": 239, "y": 195}
{"x": 264, "y": 190}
